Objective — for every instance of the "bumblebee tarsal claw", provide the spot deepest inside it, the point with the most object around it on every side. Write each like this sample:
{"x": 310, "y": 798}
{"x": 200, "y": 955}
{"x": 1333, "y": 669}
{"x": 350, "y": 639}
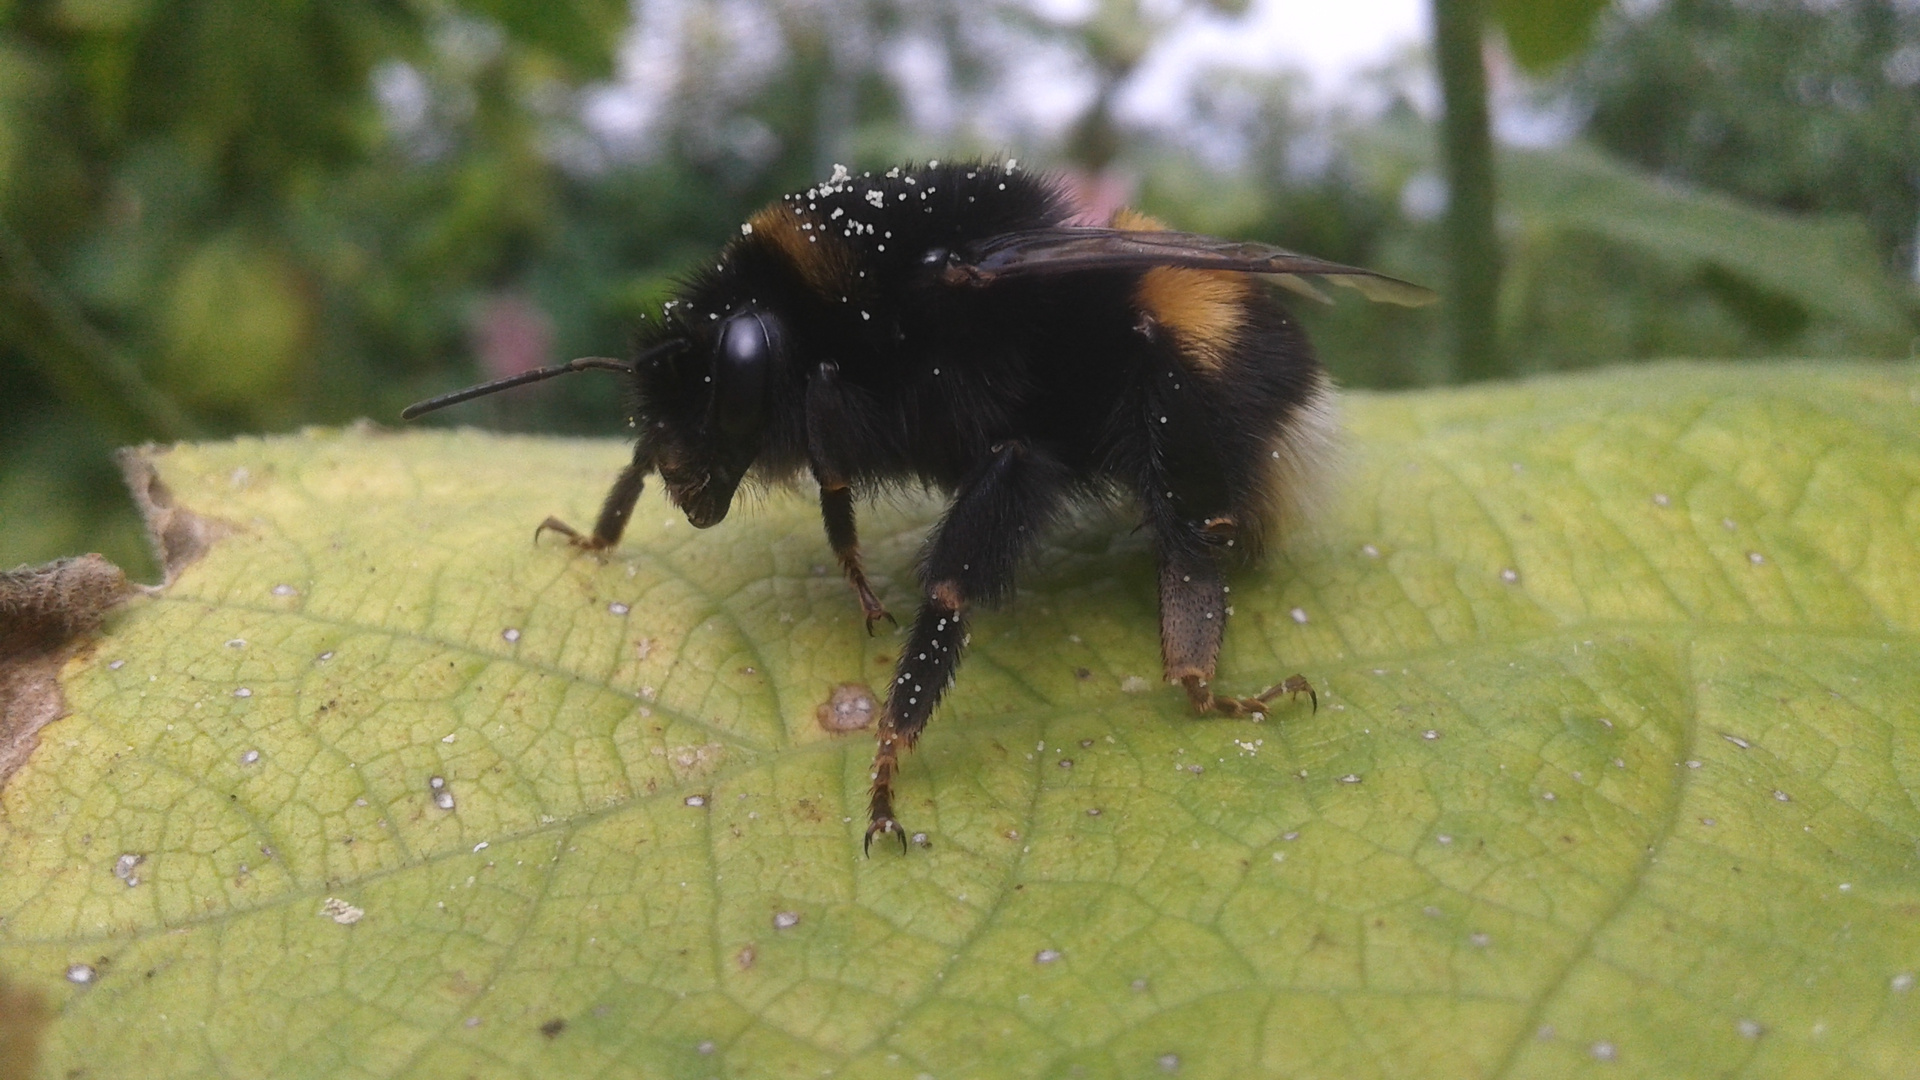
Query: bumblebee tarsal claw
{"x": 883, "y": 826}
{"x": 574, "y": 536}
{"x": 1292, "y": 686}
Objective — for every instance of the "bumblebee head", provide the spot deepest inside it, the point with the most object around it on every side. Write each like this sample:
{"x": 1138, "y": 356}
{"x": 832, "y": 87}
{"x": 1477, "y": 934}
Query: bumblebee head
{"x": 704, "y": 408}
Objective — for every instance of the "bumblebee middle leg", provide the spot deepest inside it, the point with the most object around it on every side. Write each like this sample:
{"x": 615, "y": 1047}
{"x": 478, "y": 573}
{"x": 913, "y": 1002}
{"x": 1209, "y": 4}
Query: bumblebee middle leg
{"x": 995, "y": 517}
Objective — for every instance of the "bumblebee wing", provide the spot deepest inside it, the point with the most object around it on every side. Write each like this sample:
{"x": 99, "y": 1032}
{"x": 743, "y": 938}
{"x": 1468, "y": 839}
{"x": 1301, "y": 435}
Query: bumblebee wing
{"x": 1066, "y": 250}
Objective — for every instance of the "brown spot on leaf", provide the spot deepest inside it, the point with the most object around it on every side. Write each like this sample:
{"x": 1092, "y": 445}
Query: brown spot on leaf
{"x": 46, "y": 606}
{"x": 45, "y": 614}
{"x": 23, "y": 1019}
{"x": 178, "y": 535}
{"x": 552, "y": 1028}
{"x": 850, "y": 707}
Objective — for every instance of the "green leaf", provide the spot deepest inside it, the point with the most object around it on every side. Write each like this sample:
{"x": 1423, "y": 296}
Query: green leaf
{"x": 1614, "y": 772}
{"x": 579, "y": 33}
{"x": 1541, "y": 33}
{"x": 236, "y": 325}
{"x": 1822, "y": 262}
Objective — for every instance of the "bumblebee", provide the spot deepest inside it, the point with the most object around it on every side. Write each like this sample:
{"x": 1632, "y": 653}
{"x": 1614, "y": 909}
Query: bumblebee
{"x": 945, "y": 325}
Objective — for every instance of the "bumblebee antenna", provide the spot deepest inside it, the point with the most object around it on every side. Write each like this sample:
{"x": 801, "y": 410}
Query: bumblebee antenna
{"x": 584, "y": 363}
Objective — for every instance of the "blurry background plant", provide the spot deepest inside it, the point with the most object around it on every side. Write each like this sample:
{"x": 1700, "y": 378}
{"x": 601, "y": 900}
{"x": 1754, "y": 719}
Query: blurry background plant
{"x": 247, "y": 215}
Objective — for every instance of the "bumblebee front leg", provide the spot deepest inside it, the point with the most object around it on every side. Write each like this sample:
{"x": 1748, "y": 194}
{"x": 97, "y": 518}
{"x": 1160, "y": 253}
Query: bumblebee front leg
{"x": 995, "y": 517}
{"x": 614, "y": 511}
{"x": 836, "y": 511}
{"x": 835, "y": 419}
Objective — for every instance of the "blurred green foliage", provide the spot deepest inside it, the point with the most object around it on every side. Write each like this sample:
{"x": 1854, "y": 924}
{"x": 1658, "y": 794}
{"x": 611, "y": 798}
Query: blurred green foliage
{"x": 220, "y": 216}
{"x": 1808, "y": 107}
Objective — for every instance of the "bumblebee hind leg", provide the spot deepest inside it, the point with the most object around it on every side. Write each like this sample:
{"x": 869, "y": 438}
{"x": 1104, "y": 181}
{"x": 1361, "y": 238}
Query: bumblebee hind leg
{"x": 1193, "y": 616}
{"x": 1190, "y": 506}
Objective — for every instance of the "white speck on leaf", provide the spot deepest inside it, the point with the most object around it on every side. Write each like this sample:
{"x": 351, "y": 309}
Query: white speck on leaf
{"x": 786, "y": 920}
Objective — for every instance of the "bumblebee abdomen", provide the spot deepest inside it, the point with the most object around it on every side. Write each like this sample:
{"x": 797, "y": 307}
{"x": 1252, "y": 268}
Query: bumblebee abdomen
{"x": 1241, "y": 412}
{"x": 1204, "y": 310}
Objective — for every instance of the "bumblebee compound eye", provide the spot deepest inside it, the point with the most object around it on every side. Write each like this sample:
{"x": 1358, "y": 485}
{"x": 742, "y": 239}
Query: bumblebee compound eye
{"x": 740, "y": 374}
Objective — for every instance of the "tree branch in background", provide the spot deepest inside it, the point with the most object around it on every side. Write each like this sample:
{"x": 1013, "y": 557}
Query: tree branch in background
{"x": 79, "y": 361}
{"x": 1473, "y": 247}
